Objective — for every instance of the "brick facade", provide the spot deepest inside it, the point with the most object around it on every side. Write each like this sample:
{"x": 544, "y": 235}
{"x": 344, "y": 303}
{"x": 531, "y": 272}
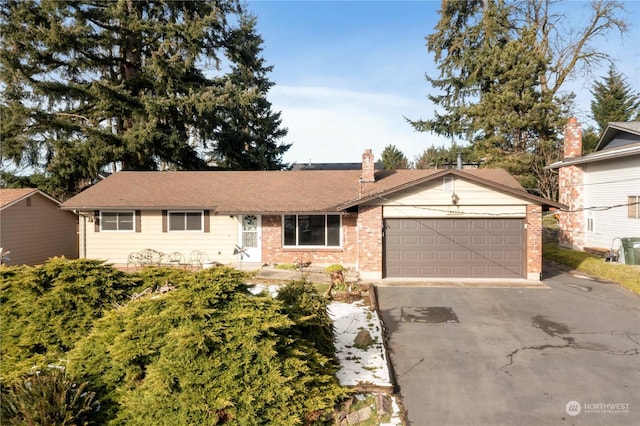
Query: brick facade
{"x": 370, "y": 238}
{"x": 273, "y": 252}
{"x": 534, "y": 241}
{"x": 361, "y": 244}
{"x": 570, "y": 181}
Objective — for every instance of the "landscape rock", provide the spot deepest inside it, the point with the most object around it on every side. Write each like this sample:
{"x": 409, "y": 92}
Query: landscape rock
{"x": 383, "y": 404}
{"x": 359, "y": 416}
{"x": 363, "y": 339}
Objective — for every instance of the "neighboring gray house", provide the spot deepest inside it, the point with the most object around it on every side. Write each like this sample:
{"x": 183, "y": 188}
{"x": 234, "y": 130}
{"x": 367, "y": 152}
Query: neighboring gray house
{"x": 601, "y": 189}
{"x": 34, "y": 229}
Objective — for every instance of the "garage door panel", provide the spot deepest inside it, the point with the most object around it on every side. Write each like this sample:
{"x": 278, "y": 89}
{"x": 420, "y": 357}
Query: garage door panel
{"x": 462, "y": 256}
{"x": 427, "y": 255}
{"x": 443, "y": 240}
{"x": 454, "y": 248}
{"x": 394, "y": 240}
{"x": 513, "y": 256}
{"x": 495, "y": 239}
{"x": 513, "y": 240}
{"x": 411, "y": 225}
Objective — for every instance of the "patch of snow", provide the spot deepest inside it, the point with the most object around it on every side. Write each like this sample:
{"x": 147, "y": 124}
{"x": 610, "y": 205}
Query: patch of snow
{"x": 359, "y": 366}
{"x": 395, "y": 415}
{"x": 271, "y": 290}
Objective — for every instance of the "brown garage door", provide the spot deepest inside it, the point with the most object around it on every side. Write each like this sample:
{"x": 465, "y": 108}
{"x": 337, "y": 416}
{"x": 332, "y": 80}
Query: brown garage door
{"x": 458, "y": 248}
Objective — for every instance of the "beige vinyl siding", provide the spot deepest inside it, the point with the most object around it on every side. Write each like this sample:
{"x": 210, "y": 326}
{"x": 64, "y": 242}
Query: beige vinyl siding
{"x": 115, "y": 247}
{"x": 516, "y": 211}
{"x": 36, "y": 232}
{"x": 434, "y": 200}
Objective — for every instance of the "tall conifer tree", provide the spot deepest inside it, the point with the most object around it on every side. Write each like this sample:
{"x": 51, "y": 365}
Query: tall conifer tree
{"x": 96, "y": 83}
{"x": 501, "y": 75}
{"x": 247, "y": 137}
{"x": 614, "y": 100}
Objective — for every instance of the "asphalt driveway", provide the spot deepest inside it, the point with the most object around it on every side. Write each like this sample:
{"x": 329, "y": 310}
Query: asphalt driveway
{"x": 564, "y": 353}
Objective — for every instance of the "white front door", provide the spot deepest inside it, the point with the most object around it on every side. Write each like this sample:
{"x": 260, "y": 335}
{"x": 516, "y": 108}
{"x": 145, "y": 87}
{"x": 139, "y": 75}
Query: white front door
{"x": 250, "y": 239}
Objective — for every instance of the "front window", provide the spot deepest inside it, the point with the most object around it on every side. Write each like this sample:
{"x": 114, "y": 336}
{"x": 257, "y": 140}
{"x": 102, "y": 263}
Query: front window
{"x": 116, "y": 221}
{"x": 185, "y": 221}
{"x": 312, "y": 230}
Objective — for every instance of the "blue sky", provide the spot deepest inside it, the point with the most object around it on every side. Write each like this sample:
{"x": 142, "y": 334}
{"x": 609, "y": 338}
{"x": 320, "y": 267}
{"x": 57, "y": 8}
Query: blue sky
{"x": 347, "y": 73}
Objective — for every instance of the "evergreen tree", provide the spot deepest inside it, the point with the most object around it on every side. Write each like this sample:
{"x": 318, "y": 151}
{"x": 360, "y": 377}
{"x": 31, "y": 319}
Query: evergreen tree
{"x": 120, "y": 83}
{"x": 614, "y": 100}
{"x": 247, "y": 138}
{"x": 590, "y": 139}
{"x": 442, "y": 157}
{"x": 393, "y": 159}
{"x": 500, "y": 80}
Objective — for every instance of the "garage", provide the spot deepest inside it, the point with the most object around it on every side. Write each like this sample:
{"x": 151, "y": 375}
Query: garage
{"x": 454, "y": 248}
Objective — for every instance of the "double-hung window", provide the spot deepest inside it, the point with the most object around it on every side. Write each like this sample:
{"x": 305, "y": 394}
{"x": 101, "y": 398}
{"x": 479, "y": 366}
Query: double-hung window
{"x": 186, "y": 221}
{"x": 311, "y": 230}
{"x": 117, "y": 221}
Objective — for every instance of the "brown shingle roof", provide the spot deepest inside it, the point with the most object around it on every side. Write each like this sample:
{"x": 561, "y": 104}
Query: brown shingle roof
{"x": 10, "y": 195}
{"x": 256, "y": 191}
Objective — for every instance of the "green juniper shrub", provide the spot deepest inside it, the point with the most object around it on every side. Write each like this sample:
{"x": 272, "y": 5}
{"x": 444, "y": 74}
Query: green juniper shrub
{"x": 157, "y": 277}
{"x": 309, "y": 310}
{"x": 208, "y": 352}
{"x": 46, "y": 309}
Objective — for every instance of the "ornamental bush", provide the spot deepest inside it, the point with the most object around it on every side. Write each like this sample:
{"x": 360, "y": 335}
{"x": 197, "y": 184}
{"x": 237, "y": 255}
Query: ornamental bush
{"x": 309, "y": 310}
{"x": 204, "y": 350}
{"x": 208, "y": 352}
{"x": 47, "y": 309}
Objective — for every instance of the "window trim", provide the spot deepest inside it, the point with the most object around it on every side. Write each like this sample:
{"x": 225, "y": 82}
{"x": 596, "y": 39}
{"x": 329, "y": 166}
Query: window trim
{"x": 590, "y": 223}
{"x": 633, "y": 210}
{"x": 185, "y": 212}
{"x": 118, "y": 213}
{"x": 299, "y": 246}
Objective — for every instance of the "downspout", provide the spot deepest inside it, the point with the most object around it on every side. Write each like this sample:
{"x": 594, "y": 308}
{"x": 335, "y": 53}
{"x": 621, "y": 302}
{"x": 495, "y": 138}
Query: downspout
{"x": 358, "y": 242}
{"x": 82, "y": 252}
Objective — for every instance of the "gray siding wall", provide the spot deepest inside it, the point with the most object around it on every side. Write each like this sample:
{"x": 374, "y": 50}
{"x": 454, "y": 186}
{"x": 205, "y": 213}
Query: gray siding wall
{"x": 609, "y": 184}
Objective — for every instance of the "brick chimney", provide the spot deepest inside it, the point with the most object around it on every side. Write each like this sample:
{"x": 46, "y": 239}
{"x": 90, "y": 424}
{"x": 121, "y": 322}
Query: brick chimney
{"x": 570, "y": 183}
{"x": 368, "y": 166}
{"x": 572, "y": 139}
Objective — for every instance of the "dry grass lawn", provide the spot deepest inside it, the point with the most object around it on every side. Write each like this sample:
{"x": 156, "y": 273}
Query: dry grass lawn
{"x": 627, "y": 276}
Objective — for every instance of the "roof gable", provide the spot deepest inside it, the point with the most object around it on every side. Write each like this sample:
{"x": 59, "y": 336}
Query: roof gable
{"x": 619, "y": 134}
{"x": 11, "y": 196}
{"x": 497, "y": 179}
{"x": 619, "y": 140}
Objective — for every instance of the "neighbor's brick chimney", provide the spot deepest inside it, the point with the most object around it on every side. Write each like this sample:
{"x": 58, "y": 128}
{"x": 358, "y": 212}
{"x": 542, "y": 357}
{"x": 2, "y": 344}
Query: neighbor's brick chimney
{"x": 572, "y": 139}
{"x": 570, "y": 182}
{"x": 368, "y": 166}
